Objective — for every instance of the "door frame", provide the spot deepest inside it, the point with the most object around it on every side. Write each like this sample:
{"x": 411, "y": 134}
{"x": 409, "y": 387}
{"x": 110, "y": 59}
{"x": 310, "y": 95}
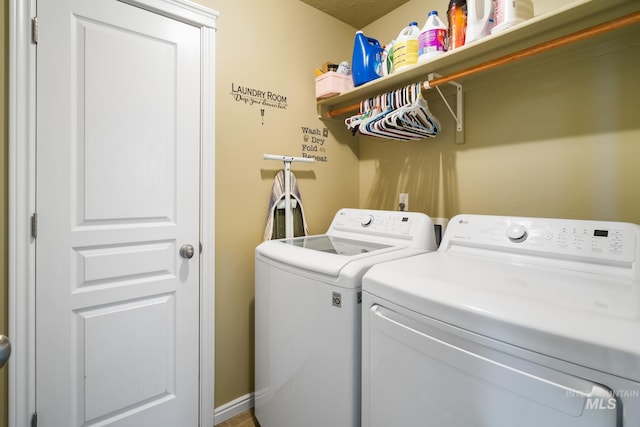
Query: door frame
{"x": 22, "y": 200}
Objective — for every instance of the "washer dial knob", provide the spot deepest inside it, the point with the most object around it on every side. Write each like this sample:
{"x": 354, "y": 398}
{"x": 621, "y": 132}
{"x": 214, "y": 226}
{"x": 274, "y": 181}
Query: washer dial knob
{"x": 367, "y": 221}
{"x": 516, "y": 233}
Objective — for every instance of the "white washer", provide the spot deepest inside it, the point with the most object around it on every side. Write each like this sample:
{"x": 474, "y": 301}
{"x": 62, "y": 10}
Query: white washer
{"x": 308, "y": 314}
{"x": 513, "y": 322}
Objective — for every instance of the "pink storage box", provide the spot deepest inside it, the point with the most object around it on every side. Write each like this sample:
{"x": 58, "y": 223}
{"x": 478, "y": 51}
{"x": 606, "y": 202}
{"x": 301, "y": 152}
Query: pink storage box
{"x": 331, "y": 83}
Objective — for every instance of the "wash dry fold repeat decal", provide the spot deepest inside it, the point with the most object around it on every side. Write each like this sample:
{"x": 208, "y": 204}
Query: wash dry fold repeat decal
{"x": 313, "y": 143}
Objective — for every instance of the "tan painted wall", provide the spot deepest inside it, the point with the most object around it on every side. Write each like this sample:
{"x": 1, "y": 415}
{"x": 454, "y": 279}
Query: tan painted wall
{"x": 272, "y": 46}
{"x": 543, "y": 138}
{"x": 4, "y": 137}
{"x": 556, "y": 136}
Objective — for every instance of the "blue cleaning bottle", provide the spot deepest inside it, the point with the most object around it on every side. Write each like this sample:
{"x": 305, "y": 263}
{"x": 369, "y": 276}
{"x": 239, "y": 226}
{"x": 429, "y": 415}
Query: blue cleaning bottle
{"x": 366, "y": 63}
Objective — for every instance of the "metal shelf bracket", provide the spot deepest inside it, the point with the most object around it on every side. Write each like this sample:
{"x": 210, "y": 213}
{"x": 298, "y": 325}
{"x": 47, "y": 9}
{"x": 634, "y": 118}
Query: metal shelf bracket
{"x": 458, "y": 115}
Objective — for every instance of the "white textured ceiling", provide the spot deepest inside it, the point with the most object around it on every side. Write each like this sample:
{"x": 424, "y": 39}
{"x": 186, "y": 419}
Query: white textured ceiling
{"x": 357, "y": 13}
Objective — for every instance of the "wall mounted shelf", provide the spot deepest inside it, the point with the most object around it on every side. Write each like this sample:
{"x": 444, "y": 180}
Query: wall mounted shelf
{"x": 578, "y": 16}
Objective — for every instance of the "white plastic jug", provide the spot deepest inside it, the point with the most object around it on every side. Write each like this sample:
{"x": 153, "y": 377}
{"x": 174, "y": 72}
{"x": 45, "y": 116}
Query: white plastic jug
{"x": 433, "y": 38}
{"x": 478, "y": 14}
{"x": 511, "y": 12}
{"x": 405, "y": 48}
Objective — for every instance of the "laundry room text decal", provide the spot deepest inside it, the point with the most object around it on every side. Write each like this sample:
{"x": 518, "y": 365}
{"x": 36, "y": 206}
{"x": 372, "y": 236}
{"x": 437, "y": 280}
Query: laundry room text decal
{"x": 313, "y": 145}
{"x": 261, "y": 97}
{"x": 252, "y": 96}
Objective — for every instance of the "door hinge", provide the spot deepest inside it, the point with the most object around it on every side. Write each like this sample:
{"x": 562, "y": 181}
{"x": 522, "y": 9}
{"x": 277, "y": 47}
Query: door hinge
{"x": 34, "y": 419}
{"x": 34, "y": 30}
{"x": 34, "y": 225}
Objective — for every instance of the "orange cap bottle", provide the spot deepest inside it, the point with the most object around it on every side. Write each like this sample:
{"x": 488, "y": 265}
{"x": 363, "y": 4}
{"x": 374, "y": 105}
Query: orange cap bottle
{"x": 457, "y": 14}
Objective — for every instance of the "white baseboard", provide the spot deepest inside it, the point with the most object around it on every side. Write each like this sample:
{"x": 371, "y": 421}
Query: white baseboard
{"x": 233, "y": 408}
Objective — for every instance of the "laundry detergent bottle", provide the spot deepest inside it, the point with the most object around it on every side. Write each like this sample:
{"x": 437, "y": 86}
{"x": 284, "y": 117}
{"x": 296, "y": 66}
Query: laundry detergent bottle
{"x": 457, "y": 15}
{"x": 366, "y": 62}
{"x": 510, "y": 13}
{"x": 433, "y": 38}
{"x": 479, "y": 14}
{"x": 405, "y": 49}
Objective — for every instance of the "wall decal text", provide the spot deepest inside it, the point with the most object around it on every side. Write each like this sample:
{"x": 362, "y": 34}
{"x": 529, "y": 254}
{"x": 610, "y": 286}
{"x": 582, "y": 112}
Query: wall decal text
{"x": 313, "y": 145}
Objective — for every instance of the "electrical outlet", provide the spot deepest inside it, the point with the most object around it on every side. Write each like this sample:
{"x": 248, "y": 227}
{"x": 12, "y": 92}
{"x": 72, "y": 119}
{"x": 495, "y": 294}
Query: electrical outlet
{"x": 403, "y": 202}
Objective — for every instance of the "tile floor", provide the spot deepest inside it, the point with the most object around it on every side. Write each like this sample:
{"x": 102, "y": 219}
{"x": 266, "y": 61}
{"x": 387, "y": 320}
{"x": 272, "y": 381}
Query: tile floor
{"x": 245, "y": 419}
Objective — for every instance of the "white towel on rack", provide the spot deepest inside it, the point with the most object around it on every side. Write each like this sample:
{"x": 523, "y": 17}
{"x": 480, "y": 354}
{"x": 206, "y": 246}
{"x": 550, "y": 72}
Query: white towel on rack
{"x": 277, "y": 195}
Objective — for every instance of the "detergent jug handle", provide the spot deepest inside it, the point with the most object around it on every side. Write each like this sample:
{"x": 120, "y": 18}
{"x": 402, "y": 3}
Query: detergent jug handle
{"x": 373, "y": 41}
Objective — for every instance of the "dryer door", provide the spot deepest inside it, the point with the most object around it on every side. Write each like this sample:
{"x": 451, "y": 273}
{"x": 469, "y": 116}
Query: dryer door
{"x": 422, "y": 372}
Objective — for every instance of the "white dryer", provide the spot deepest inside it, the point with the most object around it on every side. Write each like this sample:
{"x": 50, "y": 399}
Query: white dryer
{"x": 308, "y": 314}
{"x": 522, "y": 322}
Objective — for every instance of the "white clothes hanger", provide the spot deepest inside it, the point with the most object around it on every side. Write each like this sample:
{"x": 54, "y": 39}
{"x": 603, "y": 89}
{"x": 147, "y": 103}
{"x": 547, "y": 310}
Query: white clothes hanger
{"x": 402, "y": 115}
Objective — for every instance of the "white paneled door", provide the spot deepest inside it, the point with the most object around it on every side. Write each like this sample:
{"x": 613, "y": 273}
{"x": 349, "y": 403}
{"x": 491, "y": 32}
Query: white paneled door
{"x": 117, "y": 260}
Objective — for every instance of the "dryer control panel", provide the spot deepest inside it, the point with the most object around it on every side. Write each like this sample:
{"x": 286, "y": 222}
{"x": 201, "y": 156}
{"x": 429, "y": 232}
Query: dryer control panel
{"x": 599, "y": 242}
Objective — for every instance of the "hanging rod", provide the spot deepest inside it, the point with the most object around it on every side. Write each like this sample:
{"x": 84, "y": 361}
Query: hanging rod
{"x": 596, "y": 30}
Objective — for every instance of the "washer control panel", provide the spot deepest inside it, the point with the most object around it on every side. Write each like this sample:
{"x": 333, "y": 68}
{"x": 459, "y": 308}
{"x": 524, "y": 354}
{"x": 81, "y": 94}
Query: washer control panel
{"x": 604, "y": 240}
{"x": 390, "y": 222}
{"x": 407, "y": 228}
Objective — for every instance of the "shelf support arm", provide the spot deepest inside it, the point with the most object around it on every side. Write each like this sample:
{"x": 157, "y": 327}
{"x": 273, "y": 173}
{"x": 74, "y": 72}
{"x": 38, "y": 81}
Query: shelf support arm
{"x": 458, "y": 115}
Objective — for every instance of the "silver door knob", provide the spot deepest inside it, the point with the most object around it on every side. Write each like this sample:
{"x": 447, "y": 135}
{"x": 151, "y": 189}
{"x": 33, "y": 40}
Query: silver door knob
{"x": 5, "y": 350}
{"x": 187, "y": 251}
